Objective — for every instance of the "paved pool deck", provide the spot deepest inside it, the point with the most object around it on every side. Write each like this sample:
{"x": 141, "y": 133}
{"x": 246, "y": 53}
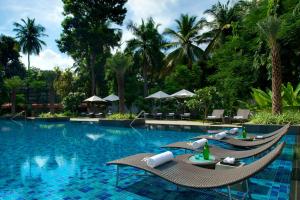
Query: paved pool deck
{"x": 164, "y": 122}
{"x": 188, "y": 123}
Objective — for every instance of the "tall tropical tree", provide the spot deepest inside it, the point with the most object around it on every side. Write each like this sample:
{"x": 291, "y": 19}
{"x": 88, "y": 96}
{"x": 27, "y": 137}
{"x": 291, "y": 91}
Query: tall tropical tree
{"x": 147, "y": 45}
{"x": 9, "y": 58}
{"x": 119, "y": 63}
{"x": 184, "y": 44}
{"x": 87, "y": 32}
{"x": 224, "y": 16}
{"x": 13, "y": 84}
{"x": 29, "y": 35}
{"x": 270, "y": 29}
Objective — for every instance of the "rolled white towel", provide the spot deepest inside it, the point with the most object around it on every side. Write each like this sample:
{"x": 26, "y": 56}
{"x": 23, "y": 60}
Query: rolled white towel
{"x": 199, "y": 143}
{"x": 229, "y": 160}
{"x": 221, "y": 135}
{"x": 233, "y": 130}
{"x": 259, "y": 137}
{"x": 160, "y": 159}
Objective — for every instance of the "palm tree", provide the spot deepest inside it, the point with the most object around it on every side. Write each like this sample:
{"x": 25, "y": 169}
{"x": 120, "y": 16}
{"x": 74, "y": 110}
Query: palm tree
{"x": 119, "y": 63}
{"x": 270, "y": 28}
{"x": 146, "y": 44}
{"x": 223, "y": 17}
{"x": 184, "y": 43}
{"x": 29, "y": 35}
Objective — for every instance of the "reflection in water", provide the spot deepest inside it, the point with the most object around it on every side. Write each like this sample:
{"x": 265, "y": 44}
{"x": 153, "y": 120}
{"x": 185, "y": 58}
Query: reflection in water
{"x": 94, "y": 137}
{"x": 51, "y": 126}
{"x": 53, "y": 160}
{"x": 5, "y": 129}
{"x": 41, "y": 160}
{"x": 41, "y": 170}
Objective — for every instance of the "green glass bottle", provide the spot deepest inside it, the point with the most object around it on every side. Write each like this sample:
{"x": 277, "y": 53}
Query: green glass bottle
{"x": 244, "y": 133}
{"x": 206, "y": 151}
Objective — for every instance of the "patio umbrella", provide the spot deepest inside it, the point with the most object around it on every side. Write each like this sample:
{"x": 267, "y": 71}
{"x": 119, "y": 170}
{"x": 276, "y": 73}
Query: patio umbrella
{"x": 93, "y": 100}
{"x": 111, "y": 98}
{"x": 158, "y": 95}
{"x": 183, "y": 94}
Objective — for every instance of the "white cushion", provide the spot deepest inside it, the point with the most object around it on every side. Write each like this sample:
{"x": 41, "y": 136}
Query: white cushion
{"x": 238, "y": 117}
{"x": 211, "y": 117}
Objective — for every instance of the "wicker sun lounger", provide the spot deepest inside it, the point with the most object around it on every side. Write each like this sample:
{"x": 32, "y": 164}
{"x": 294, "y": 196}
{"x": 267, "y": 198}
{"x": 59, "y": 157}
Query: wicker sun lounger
{"x": 285, "y": 127}
{"x": 243, "y": 143}
{"x": 242, "y": 115}
{"x": 223, "y": 153}
{"x": 187, "y": 175}
{"x": 216, "y": 115}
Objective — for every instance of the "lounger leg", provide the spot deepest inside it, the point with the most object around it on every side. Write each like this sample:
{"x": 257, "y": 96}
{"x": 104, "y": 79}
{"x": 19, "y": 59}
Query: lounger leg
{"x": 117, "y": 176}
{"x": 248, "y": 191}
{"x": 229, "y": 192}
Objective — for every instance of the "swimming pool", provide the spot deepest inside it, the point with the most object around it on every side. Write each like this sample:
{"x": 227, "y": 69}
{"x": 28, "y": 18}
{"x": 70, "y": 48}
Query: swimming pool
{"x": 67, "y": 161}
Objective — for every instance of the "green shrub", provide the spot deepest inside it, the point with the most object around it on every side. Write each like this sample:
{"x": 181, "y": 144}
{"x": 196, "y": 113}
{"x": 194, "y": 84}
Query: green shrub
{"x": 72, "y": 101}
{"x": 49, "y": 115}
{"x": 205, "y": 100}
{"x": 265, "y": 117}
{"x": 263, "y": 99}
{"x": 121, "y": 116}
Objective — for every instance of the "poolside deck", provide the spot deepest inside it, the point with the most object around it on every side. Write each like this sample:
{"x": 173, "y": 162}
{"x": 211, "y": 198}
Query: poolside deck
{"x": 165, "y": 122}
{"x": 84, "y": 119}
{"x": 188, "y": 123}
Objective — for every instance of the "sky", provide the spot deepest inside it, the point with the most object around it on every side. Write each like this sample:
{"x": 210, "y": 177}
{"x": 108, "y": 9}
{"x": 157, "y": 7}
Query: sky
{"x": 49, "y": 14}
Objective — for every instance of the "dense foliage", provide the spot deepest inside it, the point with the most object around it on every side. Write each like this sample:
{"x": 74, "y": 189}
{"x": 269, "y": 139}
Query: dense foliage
{"x": 244, "y": 45}
{"x": 205, "y": 100}
{"x": 263, "y": 99}
{"x": 72, "y": 101}
{"x": 267, "y": 117}
{"x": 88, "y": 35}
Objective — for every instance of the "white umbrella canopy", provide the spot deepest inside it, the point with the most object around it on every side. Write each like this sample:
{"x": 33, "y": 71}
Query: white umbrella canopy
{"x": 111, "y": 97}
{"x": 183, "y": 94}
{"x": 158, "y": 95}
{"x": 94, "y": 99}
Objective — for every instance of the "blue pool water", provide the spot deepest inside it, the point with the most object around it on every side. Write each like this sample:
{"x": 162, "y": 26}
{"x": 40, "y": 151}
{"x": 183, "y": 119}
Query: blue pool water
{"x": 67, "y": 161}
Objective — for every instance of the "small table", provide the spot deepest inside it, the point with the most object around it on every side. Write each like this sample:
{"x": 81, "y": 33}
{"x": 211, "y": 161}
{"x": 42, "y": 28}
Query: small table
{"x": 226, "y": 120}
{"x": 199, "y": 160}
{"x": 241, "y": 186}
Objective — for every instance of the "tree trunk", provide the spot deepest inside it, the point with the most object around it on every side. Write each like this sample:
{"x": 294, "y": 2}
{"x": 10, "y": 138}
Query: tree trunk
{"x": 28, "y": 59}
{"x": 51, "y": 99}
{"x": 145, "y": 77}
{"x": 13, "y": 101}
{"x": 190, "y": 64}
{"x": 276, "y": 79}
{"x": 120, "y": 80}
{"x": 92, "y": 66}
{"x": 27, "y": 84}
